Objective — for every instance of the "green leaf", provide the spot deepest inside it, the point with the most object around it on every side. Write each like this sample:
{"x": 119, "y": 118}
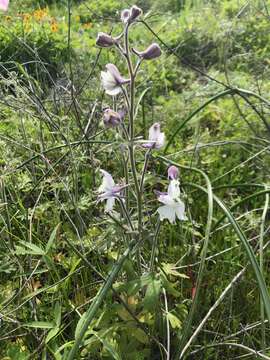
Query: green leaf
{"x": 174, "y": 321}
{"x": 57, "y": 313}
{"x": 40, "y": 325}
{"x": 52, "y": 238}
{"x": 51, "y": 334}
{"x": 169, "y": 269}
{"x": 80, "y": 325}
{"x": 152, "y": 294}
{"x": 28, "y": 248}
{"x": 140, "y": 335}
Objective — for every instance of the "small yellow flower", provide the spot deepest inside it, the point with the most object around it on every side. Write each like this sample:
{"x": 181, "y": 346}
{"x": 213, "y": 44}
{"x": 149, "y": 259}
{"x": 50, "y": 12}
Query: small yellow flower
{"x": 54, "y": 26}
{"x": 87, "y": 26}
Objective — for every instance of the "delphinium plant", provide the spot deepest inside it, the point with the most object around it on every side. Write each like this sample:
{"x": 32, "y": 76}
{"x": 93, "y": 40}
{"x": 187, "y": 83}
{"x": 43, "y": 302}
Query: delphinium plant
{"x": 138, "y": 214}
{"x": 125, "y": 201}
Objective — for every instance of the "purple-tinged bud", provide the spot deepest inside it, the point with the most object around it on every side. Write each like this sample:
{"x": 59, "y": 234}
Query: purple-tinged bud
{"x": 105, "y": 40}
{"x": 125, "y": 15}
{"x": 112, "y": 118}
{"x": 130, "y": 15}
{"x": 152, "y": 52}
{"x": 173, "y": 173}
{"x": 135, "y": 12}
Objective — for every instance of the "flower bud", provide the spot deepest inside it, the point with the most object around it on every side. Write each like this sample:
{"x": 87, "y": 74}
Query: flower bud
{"x": 125, "y": 15}
{"x": 112, "y": 118}
{"x": 152, "y": 52}
{"x": 135, "y": 12}
{"x": 173, "y": 173}
{"x": 130, "y": 15}
{"x": 105, "y": 40}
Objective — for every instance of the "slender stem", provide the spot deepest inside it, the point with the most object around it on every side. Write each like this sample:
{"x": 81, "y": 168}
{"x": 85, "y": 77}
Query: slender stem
{"x": 263, "y": 344}
{"x": 147, "y": 156}
{"x": 131, "y": 131}
{"x": 154, "y": 246}
{"x": 167, "y": 325}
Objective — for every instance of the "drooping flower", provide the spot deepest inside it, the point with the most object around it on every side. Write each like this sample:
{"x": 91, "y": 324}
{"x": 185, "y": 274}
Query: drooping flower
{"x": 112, "y": 81}
{"x": 152, "y": 52}
{"x": 4, "y": 4}
{"x": 129, "y": 15}
{"x": 173, "y": 206}
{"x": 156, "y": 137}
{"x": 112, "y": 118}
{"x": 109, "y": 191}
{"x": 105, "y": 40}
{"x": 173, "y": 173}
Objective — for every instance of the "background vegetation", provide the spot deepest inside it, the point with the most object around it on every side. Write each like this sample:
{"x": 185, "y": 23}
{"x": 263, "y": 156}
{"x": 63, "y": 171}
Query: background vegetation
{"x": 56, "y": 244}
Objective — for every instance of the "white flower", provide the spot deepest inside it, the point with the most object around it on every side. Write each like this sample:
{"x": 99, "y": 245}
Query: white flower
{"x": 173, "y": 207}
{"x": 112, "y": 81}
{"x": 109, "y": 191}
{"x": 156, "y": 137}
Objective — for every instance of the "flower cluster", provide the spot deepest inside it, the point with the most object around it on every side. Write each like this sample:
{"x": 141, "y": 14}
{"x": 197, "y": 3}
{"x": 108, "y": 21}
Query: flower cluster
{"x": 116, "y": 85}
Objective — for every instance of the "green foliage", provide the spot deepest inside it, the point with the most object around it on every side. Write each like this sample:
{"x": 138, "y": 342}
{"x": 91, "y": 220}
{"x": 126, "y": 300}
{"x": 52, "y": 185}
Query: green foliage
{"x": 57, "y": 247}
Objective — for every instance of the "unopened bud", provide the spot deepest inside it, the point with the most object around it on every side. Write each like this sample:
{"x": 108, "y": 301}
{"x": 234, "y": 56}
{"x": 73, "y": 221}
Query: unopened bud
{"x": 173, "y": 173}
{"x": 152, "y": 52}
{"x": 125, "y": 15}
{"x": 135, "y": 12}
{"x": 105, "y": 40}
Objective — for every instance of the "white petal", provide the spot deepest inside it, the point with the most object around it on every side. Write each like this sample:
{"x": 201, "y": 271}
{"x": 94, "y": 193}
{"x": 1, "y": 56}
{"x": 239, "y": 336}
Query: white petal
{"x": 115, "y": 91}
{"x": 174, "y": 189}
{"x": 166, "y": 199}
{"x": 154, "y": 132}
{"x": 167, "y": 212}
{"x": 180, "y": 210}
{"x": 160, "y": 141}
{"x": 107, "y": 182}
{"x": 109, "y": 204}
{"x": 108, "y": 81}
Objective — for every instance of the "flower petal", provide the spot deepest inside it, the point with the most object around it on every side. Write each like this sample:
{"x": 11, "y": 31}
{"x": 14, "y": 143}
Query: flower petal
{"x": 107, "y": 182}
{"x": 167, "y": 212}
{"x": 180, "y": 210}
{"x": 174, "y": 190}
{"x": 109, "y": 204}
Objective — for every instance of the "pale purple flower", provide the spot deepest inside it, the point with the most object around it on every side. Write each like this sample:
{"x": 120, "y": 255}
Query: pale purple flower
{"x": 156, "y": 137}
{"x": 153, "y": 51}
{"x": 173, "y": 173}
{"x": 129, "y": 15}
{"x": 105, "y": 40}
{"x": 4, "y": 4}
{"x": 109, "y": 191}
{"x": 112, "y": 118}
{"x": 173, "y": 206}
{"x": 111, "y": 80}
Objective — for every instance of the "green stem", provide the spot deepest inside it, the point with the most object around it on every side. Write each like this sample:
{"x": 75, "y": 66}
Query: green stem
{"x": 266, "y": 205}
{"x": 154, "y": 246}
